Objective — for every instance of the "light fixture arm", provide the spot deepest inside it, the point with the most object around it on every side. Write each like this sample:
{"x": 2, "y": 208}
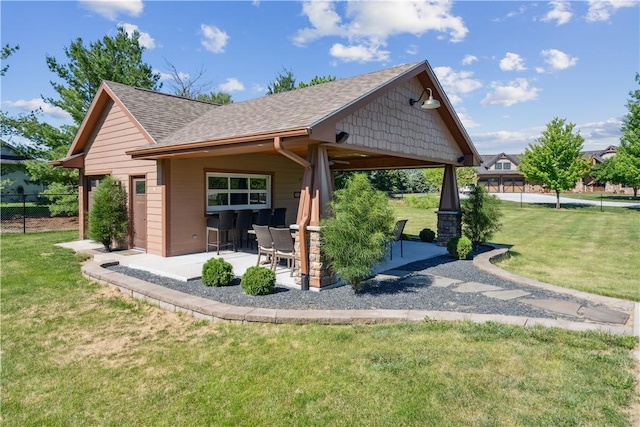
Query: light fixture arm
{"x": 429, "y": 103}
{"x": 413, "y": 101}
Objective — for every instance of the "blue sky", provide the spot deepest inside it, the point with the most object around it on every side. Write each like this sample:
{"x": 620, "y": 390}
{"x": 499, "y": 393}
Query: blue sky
{"x": 508, "y": 67}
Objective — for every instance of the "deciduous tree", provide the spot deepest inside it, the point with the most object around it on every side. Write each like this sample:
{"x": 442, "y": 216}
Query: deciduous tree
{"x": 556, "y": 160}
{"x": 624, "y": 167}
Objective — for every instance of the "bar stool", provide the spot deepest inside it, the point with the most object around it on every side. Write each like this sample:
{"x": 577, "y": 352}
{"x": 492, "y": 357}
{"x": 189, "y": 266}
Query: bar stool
{"x": 222, "y": 223}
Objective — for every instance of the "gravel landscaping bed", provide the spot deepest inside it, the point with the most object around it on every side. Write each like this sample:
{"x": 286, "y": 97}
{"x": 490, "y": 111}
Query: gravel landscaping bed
{"x": 412, "y": 292}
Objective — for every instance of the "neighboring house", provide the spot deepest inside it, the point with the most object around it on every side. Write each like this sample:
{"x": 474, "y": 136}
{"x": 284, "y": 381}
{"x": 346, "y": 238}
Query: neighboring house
{"x": 181, "y": 160}
{"x": 14, "y": 172}
{"x": 499, "y": 174}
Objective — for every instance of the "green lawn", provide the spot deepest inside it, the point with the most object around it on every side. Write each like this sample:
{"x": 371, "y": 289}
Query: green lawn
{"x": 78, "y": 354}
{"x": 576, "y": 247}
{"x": 606, "y": 197}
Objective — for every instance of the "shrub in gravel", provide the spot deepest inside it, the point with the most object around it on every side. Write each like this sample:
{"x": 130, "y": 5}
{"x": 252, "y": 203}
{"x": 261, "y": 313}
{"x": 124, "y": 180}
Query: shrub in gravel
{"x": 427, "y": 235}
{"x": 258, "y": 281}
{"x": 217, "y": 272}
{"x": 459, "y": 247}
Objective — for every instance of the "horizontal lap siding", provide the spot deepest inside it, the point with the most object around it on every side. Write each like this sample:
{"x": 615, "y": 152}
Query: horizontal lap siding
{"x": 389, "y": 123}
{"x": 115, "y": 135}
{"x": 187, "y": 186}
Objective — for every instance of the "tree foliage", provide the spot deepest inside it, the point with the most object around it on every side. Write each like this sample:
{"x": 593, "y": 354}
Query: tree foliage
{"x": 193, "y": 87}
{"x": 286, "y": 81}
{"x": 220, "y": 97}
{"x": 556, "y": 161}
{"x": 354, "y": 238}
{"x": 465, "y": 176}
{"x": 624, "y": 167}
{"x": 480, "y": 215}
{"x": 117, "y": 58}
{"x": 7, "y": 51}
{"x": 108, "y": 220}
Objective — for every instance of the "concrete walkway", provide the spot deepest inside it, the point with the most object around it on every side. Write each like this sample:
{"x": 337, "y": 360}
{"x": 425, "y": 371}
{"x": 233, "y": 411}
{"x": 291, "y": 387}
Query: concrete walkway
{"x": 618, "y": 317}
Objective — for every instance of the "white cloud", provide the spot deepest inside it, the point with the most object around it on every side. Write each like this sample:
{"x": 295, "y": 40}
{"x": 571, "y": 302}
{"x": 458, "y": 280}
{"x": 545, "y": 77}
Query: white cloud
{"x": 258, "y": 88}
{"x": 469, "y": 59}
{"x": 231, "y": 85}
{"x": 601, "y": 10}
{"x": 456, "y": 83}
{"x": 606, "y": 129}
{"x": 467, "y": 121}
{"x": 558, "y": 59}
{"x": 512, "y": 93}
{"x": 368, "y": 25}
{"x": 214, "y": 39}
{"x": 412, "y": 49}
{"x": 38, "y": 103}
{"x": 145, "y": 39}
{"x": 539, "y": 70}
{"x": 110, "y": 9}
{"x": 169, "y": 76}
{"x": 520, "y": 11}
{"x": 512, "y": 62}
{"x": 560, "y": 12}
{"x": 358, "y": 53}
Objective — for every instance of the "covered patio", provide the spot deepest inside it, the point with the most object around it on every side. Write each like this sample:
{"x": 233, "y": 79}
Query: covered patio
{"x": 189, "y": 267}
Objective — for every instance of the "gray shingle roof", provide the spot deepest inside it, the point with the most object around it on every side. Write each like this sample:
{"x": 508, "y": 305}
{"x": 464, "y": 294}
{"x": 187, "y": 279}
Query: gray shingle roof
{"x": 159, "y": 114}
{"x": 296, "y": 109}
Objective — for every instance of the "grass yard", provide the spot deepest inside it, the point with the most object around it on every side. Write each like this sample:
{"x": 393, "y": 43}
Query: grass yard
{"x": 577, "y": 247}
{"x": 75, "y": 353}
{"x": 607, "y": 197}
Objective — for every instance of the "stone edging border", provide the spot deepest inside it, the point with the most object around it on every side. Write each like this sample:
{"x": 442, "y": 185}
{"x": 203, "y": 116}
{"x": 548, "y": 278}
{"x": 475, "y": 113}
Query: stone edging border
{"x": 207, "y": 309}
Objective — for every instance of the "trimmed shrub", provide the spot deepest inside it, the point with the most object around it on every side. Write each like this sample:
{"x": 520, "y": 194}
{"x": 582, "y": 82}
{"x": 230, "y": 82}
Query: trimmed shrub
{"x": 354, "y": 237}
{"x": 258, "y": 281}
{"x": 108, "y": 219}
{"x": 459, "y": 247}
{"x": 217, "y": 272}
{"x": 427, "y": 235}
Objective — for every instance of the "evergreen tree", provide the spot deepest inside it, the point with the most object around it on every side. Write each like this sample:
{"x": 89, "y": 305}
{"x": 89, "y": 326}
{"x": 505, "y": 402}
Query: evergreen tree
{"x": 480, "y": 215}
{"x": 556, "y": 161}
{"x": 108, "y": 220}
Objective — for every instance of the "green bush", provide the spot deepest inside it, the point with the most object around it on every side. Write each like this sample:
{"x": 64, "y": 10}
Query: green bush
{"x": 427, "y": 235}
{"x": 480, "y": 215}
{"x": 258, "y": 281}
{"x": 459, "y": 247}
{"x": 108, "y": 220}
{"x": 354, "y": 237}
{"x": 217, "y": 272}
{"x": 428, "y": 201}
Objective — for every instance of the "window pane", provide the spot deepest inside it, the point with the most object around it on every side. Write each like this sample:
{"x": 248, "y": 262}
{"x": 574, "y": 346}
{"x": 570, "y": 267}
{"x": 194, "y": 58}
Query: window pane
{"x": 218, "y": 183}
{"x": 218, "y": 199}
{"x": 507, "y": 166}
{"x": 498, "y": 165}
{"x": 258, "y": 183}
{"x": 239, "y": 183}
{"x": 140, "y": 187}
{"x": 258, "y": 198}
{"x": 239, "y": 199}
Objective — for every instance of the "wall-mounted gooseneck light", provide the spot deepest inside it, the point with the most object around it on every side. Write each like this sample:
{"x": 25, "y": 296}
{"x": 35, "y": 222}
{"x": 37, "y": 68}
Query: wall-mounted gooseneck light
{"x": 429, "y": 103}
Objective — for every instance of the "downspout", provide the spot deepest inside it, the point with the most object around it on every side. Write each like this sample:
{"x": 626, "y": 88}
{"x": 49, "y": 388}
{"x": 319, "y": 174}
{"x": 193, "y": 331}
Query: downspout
{"x": 302, "y": 220}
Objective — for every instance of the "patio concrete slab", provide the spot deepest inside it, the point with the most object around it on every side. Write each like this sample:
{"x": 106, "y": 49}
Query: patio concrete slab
{"x": 398, "y": 274}
{"x": 556, "y": 305}
{"x": 476, "y": 287}
{"x": 80, "y": 245}
{"x": 507, "y": 295}
{"x": 605, "y": 315}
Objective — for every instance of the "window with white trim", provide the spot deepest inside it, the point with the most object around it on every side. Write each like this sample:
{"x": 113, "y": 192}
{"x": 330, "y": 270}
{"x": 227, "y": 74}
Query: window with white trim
{"x": 237, "y": 191}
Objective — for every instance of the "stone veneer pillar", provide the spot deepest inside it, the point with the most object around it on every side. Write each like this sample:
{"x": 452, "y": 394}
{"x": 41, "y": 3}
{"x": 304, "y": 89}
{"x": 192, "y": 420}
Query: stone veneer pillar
{"x": 319, "y": 275}
{"x": 449, "y": 226}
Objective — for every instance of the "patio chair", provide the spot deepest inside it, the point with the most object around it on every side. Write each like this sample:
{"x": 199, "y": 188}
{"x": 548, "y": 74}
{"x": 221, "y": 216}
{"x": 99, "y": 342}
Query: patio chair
{"x": 265, "y": 243}
{"x": 222, "y": 223}
{"x": 278, "y": 219}
{"x": 264, "y": 217}
{"x": 397, "y": 236}
{"x": 243, "y": 224}
{"x": 283, "y": 246}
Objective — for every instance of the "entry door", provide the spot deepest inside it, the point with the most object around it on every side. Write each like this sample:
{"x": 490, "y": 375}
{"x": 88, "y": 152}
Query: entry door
{"x": 139, "y": 213}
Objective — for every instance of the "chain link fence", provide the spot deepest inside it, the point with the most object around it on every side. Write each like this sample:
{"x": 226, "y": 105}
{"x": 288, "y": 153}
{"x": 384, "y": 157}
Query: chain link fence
{"x": 28, "y": 213}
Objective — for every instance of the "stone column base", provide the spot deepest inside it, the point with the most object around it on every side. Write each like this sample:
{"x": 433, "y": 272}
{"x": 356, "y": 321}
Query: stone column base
{"x": 449, "y": 226}
{"x": 319, "y": 275}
